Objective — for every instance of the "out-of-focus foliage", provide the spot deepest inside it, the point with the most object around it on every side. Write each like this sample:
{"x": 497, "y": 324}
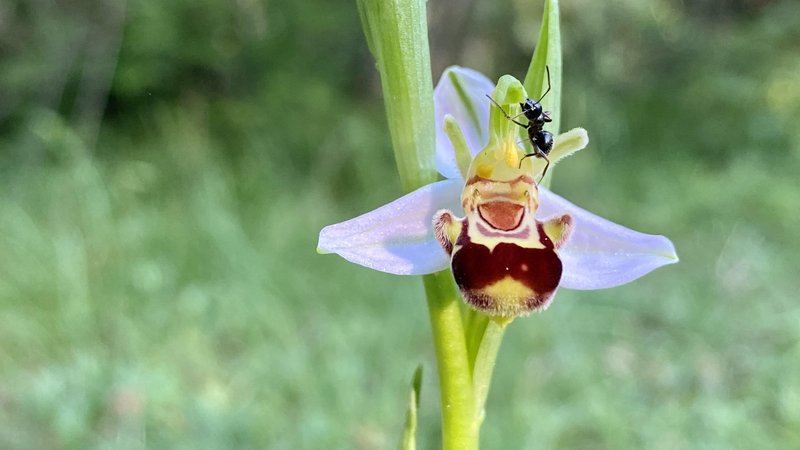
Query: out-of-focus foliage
{"x": 165, "y": 167}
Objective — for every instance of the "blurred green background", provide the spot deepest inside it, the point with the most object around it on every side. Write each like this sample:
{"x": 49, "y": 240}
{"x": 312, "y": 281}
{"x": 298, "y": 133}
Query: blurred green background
{"x": 165, "y": 168}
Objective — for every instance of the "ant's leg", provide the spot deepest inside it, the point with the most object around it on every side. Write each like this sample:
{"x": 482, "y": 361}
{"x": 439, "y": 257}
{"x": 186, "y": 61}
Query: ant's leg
{"x": 540, "y": 155}
{"x": 544, "y": 172}
{"x": 523, "y": 159}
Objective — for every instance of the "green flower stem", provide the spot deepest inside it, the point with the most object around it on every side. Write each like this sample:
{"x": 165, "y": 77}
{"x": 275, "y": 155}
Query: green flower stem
{"x": 397, "y": 35}
{"x": 459, "y": 428}
{"x": 474, "y": 324}
{"x": 396, "y": 32}
{"x": 484, "y": 363}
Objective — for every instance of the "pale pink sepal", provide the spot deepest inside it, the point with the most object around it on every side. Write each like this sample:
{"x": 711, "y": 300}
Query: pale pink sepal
{"x": 461, "y": 92}
{"x": 398, "y": 237}
{"x": 601, "y": 254}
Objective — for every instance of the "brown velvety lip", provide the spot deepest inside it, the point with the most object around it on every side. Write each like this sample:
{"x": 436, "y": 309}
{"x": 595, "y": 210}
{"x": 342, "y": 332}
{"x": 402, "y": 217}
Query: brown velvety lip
{"x": 504, "y": 216}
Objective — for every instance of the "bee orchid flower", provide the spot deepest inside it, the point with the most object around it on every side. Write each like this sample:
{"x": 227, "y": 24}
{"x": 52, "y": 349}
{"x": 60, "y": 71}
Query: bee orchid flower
{"x": 400, "y": 237}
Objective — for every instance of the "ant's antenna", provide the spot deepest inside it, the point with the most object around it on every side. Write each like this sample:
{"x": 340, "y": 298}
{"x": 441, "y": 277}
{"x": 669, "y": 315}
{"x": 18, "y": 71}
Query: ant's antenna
{"x": 506, "y": 114}
{"x": 498, "y": 106}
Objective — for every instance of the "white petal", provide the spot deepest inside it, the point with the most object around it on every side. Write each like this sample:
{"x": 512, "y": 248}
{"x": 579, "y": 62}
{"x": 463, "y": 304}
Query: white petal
{"x": 601, "y": 254}
{"x": 398, "y": 237}
{"x": 461, "y": 93}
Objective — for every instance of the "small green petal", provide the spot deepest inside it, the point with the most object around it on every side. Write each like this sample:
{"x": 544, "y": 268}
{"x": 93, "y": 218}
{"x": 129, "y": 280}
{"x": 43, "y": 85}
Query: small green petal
{"x": 566, "y": 144}
{"x": 456, "y": 136}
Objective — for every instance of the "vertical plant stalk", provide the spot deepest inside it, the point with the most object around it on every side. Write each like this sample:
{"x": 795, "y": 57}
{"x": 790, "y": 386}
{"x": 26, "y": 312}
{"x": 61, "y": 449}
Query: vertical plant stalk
{"x": 397, "y": 35}
{"x": 485, "y": 358}
{"x": 396, "y": 32}
{"x": 459, "y": 428}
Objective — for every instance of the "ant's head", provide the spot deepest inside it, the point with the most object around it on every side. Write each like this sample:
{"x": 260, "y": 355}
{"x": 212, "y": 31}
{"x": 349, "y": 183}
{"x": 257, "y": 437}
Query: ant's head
{"x": 531, "y": 109}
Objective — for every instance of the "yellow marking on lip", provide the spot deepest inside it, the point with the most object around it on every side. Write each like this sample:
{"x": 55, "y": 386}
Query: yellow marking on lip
{"x": 485, "y": 170}
{"x": 510, "y": 295}
{"x": 511, "y": 154}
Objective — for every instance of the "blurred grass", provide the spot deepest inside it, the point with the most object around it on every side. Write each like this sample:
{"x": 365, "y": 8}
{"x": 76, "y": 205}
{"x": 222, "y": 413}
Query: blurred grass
{"x": 160, "y": 288}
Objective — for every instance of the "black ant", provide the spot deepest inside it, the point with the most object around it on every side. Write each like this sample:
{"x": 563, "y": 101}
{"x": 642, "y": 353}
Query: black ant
{"x": 541, "y": 140}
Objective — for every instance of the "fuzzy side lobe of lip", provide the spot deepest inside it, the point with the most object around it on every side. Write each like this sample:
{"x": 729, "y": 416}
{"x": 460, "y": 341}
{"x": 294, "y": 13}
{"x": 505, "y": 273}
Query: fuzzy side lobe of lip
{"x": 501, "y": 215}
